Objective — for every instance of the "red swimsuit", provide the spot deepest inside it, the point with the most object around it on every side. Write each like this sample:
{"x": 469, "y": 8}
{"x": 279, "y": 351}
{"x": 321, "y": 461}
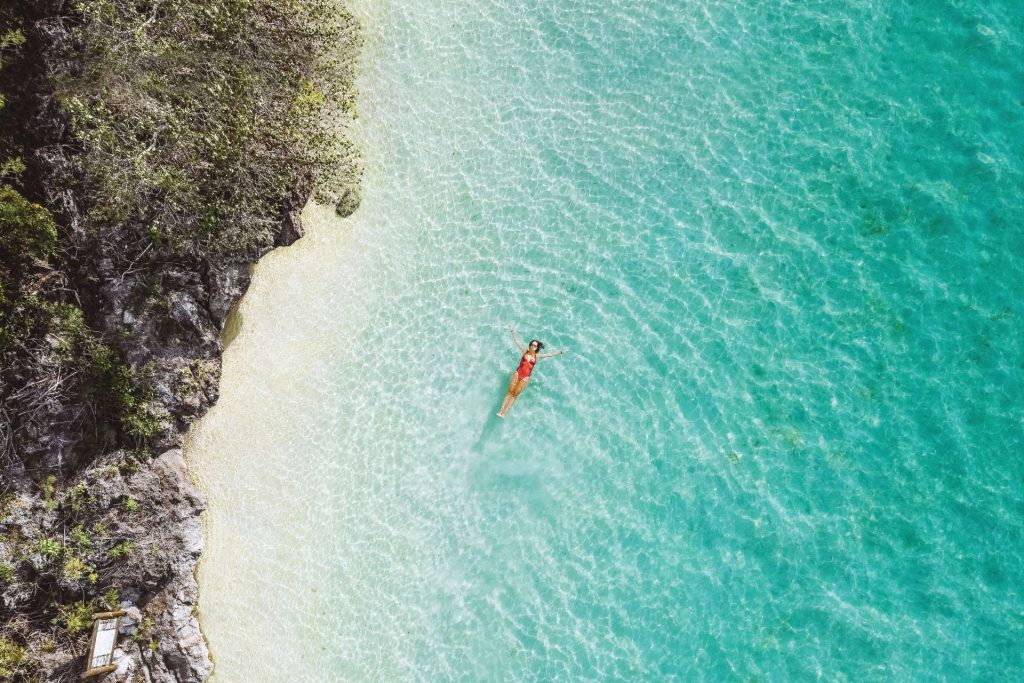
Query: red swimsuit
{"x": 526, "y": 366}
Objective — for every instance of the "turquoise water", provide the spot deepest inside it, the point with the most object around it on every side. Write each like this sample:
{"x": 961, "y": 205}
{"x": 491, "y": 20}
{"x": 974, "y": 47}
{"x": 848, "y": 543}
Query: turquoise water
{"x": 783, "y": 243}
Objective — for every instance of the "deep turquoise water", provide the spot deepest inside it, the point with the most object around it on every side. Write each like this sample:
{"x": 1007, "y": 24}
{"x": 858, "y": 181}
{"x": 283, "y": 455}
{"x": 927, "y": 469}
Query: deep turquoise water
{"x": 783, "y": 243}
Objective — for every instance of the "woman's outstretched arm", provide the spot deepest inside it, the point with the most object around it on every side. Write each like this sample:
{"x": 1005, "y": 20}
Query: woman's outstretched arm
{"x": 519, "y": 342}
{"x": 550, "y": 354}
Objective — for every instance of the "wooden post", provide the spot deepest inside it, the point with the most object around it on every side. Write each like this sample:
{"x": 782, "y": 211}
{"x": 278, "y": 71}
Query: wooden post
{"x": 109, "y": 615}
{"x": 99, "y": 671}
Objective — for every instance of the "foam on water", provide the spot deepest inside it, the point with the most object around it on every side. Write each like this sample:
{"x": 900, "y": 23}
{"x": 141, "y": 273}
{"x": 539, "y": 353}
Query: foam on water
{"x": 783, "y": 243}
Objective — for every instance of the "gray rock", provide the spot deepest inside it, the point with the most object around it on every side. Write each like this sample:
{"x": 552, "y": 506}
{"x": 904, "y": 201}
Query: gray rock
{"x": 125, "y": 665}
{"x": 291, "y": 230}
{"x": 185, "y": 311}
{"x": 129, "y": 623}
{"x": 227, "y": 283}
{"x": 347, "y": 203}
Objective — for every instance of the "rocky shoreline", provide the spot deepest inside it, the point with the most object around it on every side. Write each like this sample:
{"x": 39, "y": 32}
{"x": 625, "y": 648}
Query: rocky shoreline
{"x": 94, "y": 517}
{"x": 161, "y": 638}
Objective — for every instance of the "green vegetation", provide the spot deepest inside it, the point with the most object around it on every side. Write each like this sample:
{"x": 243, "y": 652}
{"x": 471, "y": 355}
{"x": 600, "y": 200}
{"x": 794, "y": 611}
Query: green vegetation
{"x": 48, "y": 547}
{"x": 81, "y": 537}
{"x": 129, "y": 504}
{"x": 200, "y": 118}
{"x": 27, "y": 233}
{"x": 143, "y": 633}
{"x": 122, "y": 550}
{"x": 12, "y": 659}
{"x": 75, "y": 569}
{"x": 28, "y": 237}
{"x": 133, "y": 393}
{"x": 12, "y": 39}
{"x": 195, "y": 125}
{"x": 75, "y": 499}
{"x": 117, "y": 392}
{"x": 76, "y": 617}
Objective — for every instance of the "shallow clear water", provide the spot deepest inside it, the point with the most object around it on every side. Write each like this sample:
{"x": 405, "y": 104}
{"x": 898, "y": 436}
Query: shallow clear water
{"x": 783, "y": 243}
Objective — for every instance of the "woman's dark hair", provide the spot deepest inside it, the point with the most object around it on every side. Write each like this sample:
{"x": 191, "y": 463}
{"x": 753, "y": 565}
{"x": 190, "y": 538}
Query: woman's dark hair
{"x": 540, "y": 344}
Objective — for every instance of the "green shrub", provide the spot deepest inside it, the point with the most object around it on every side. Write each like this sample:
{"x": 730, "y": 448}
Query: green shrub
{"x": 120, "y": 396}
{"x": 73, "y": 338}
{"x": 136, "y": 402}
{"x": 132, "y": 463}
{"x": 28, "y": 235}
{"x": 122, "y": 550}
{"x": 27, "y": 232}
{"x": 129, "y": 504}
{"x": 76, "y": 498}
{"x": 13, "y": 659}
{"x": 145, "y": 628}
{"x": 49, "y": 547}
{"x": 49, "y": 487}
{"x": 75, "y": 569}
{"x": 81, "y": 537}
{"x": 76, "y": 617}
{"x": 12, "y": 38}
{"x": 12, "y": 167}
{"x": 123, "y": 394}
{"x": 6, "y": 573}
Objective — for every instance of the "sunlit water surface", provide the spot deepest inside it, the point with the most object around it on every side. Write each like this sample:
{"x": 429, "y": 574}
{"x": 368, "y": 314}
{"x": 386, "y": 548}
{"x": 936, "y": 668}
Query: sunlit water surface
{"x": 783, "y": 243}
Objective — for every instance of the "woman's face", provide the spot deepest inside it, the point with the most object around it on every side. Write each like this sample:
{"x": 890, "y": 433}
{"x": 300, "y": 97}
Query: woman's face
{"x": 533, "y": 347}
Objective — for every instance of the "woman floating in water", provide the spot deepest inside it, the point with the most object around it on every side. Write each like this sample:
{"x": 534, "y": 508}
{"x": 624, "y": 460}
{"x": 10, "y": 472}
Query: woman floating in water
{"x": 521, "y": 377}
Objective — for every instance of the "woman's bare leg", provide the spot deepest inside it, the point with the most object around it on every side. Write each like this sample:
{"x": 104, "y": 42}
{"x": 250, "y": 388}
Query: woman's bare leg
{"x": 518, "y": 389}
{"x": 507, "y": 403}
{"x": 504, "y": 404}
